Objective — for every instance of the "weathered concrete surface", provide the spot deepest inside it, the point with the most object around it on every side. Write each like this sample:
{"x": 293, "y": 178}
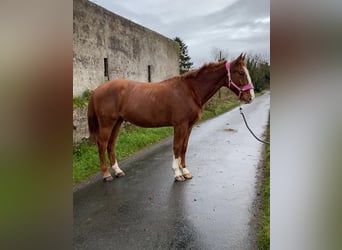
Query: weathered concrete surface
{"x": 146, "y": 209}
{"x": 129, "y": 48}
{"x": 80, "y": 124}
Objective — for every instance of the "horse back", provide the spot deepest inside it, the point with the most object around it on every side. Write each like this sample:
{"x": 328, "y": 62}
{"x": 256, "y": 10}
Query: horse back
{"x": 146, "y": 104}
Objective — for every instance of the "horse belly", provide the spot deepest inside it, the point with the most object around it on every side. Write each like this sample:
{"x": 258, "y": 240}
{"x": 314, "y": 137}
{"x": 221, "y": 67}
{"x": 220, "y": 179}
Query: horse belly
{"x": 148, "y": 115}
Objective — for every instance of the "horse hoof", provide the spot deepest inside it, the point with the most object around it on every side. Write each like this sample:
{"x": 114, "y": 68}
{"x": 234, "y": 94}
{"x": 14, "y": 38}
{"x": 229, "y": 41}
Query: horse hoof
{"x": 108, "y": 178}
{"x": 187, "y": 176}
{"x": 121, "y": 174}
{"x": 179, "y": 178}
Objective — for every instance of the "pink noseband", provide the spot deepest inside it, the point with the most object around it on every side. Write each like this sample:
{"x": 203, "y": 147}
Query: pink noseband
{"x": 232, "y": 85}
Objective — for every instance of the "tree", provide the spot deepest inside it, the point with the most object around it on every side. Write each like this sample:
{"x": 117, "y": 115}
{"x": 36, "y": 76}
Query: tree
{"x": 219, "y": 54}
{"x": 184, "y": 58}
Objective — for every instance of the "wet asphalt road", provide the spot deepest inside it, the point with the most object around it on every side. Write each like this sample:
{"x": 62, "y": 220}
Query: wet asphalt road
{"x": 146, "y": 209}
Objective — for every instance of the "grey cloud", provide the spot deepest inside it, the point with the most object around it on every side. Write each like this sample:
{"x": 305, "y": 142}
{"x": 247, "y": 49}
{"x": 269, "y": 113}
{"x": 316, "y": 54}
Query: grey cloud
{"x": 232, "y": 28}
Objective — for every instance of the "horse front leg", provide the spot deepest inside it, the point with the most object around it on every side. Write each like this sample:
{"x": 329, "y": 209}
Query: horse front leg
{"x": 181, "y": 136}
{"x": 102, "y": 143}
{"x": 186, "y": 173}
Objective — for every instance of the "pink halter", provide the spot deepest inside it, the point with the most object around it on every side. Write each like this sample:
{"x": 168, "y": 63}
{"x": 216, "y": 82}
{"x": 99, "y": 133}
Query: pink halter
{"x": 232, "y": 85}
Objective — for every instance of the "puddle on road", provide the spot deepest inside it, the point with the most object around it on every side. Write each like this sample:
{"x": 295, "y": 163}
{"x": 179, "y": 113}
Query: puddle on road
{"x": 230, "y": 130}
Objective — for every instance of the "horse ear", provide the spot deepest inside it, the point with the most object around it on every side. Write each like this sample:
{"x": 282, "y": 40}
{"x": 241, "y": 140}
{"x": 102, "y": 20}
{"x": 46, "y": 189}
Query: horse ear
{"x": 242, "y": 56}
{"x": 239, "y": 58}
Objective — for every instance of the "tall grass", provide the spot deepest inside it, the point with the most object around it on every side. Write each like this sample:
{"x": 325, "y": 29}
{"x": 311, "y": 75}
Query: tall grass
{"x": 264, "y": 234}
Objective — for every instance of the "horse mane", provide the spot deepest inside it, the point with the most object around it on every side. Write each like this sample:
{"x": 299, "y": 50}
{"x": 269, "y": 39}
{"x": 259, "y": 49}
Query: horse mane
{"x": 211, "y": 67}
{"x": 206, "y": 67}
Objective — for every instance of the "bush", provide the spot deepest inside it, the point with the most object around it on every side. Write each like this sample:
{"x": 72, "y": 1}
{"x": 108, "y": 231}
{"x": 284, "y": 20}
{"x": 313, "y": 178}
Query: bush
{"x": 259, "y": 70}
{"x": 80, "y": 101}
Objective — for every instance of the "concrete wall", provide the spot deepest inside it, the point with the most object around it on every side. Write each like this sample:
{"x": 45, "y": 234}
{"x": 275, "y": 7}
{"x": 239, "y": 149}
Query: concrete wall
{"x": 80, "y": 124}
{"x": 129, "y": 48}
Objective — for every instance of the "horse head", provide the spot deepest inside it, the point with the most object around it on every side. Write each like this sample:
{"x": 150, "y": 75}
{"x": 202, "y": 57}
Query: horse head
{"x": 239, "y": 80}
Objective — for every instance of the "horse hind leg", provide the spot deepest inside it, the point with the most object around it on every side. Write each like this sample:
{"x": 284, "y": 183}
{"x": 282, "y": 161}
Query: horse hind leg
{"x": 102, "y": 143}
{"x": 111, "y": 149}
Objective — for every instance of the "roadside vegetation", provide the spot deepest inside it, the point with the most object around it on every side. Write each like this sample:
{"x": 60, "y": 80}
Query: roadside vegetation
{"x": 264, "y": 234}
{"x": 81, "y": 101}
{"x": 130, "y": 140}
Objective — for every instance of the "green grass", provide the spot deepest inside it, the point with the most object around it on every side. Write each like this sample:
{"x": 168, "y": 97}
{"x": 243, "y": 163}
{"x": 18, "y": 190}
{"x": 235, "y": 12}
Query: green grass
{"x": 85, "y": 161}
{"x": 217, "y": 106}
{"x": 264, "y": 234}
{"x": 81, "y": 101}
{"x": 132, "y": 138}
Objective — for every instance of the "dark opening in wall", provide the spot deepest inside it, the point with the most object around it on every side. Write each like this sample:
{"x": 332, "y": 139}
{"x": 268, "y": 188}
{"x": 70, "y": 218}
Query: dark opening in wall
{"x": 149, "y": 72}
{"x": 106, "y": 68}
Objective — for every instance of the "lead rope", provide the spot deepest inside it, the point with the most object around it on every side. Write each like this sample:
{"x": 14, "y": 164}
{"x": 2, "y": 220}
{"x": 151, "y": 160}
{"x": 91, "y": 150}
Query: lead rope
{"x": 244, "y": 118}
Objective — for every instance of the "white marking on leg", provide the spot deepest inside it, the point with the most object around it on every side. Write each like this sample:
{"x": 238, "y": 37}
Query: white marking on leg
{"x": 116, "y": 168}
{"x": 185, "y": 171}
{"x": 176, "y": 166}
{"x": 251, "y": 91}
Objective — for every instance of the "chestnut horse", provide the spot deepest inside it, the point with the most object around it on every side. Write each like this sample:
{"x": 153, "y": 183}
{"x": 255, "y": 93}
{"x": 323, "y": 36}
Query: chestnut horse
{"x": 176, "y": 102}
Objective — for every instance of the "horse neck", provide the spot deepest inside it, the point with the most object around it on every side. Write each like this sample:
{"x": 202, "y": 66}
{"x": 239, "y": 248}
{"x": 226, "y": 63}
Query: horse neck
{"x": 207, "y": 83}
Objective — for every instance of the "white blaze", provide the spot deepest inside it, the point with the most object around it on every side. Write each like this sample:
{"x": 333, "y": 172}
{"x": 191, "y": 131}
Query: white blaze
{"x": 251, "y": 91}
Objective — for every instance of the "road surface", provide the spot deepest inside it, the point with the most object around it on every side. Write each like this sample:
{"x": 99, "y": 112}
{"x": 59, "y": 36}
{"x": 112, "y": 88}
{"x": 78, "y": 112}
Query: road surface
{"x": 146, "y": 209}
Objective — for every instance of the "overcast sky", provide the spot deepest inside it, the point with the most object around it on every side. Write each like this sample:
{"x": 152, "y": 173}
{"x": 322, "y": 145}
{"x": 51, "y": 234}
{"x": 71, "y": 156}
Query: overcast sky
{"x": 233, "y": 26}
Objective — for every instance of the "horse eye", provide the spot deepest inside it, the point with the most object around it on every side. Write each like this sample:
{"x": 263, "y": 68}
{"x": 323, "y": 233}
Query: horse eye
{"x": 242, "y": 73}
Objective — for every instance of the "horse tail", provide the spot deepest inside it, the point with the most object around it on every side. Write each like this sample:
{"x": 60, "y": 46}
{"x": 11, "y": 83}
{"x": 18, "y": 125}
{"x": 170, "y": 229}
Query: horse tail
{"x": 93, "y": 124}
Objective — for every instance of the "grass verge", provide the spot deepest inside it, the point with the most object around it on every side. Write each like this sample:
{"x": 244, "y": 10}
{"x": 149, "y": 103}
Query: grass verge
{"x": 264, "y": 234}
{"x": 131, "y": 139}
